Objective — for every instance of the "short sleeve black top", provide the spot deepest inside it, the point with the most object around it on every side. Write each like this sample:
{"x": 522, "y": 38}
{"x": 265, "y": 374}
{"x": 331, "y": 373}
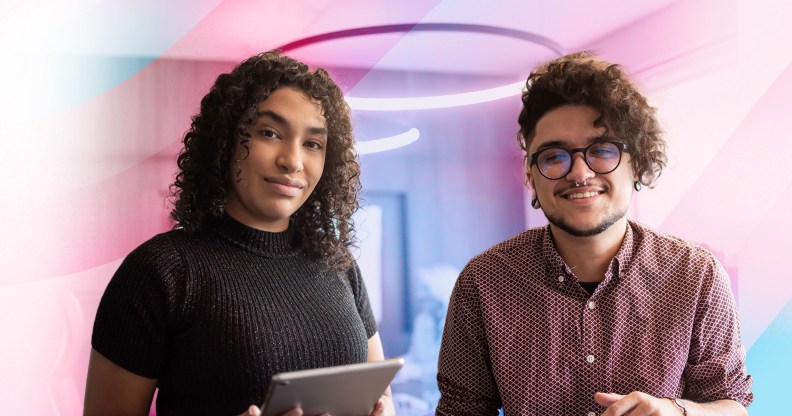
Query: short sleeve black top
{"x": 213, "y": 315}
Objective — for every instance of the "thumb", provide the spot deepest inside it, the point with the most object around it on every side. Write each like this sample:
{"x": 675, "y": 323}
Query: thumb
{"x": 607, "y": 399}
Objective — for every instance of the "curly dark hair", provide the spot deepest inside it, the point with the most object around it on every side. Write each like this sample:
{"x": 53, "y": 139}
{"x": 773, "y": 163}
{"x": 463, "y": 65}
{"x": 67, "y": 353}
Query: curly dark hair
{"x": 584, "y": 79}
{"x": 199, "y": 192}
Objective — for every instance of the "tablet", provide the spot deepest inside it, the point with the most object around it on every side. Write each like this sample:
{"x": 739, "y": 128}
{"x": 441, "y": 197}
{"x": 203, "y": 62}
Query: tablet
{"x": 345, "y": 390}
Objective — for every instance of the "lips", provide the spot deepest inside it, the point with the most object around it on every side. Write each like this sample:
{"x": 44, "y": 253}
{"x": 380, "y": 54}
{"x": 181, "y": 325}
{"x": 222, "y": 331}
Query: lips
{"x": 285, "y": 186}
{"x": 580, "y": 193}
{"x": 286, "y": 182}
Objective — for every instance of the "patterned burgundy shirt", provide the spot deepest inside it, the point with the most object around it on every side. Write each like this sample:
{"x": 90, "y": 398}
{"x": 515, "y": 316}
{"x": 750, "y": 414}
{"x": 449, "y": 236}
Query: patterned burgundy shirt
{"x": 522, "y": 334}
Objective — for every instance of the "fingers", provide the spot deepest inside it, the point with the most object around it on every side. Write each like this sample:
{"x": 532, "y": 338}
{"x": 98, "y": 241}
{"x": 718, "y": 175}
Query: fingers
{"x": 625, "y": 405}
{"x": 253, "y": 410}
{"x": 296, "y": 411}
{"x": 379, "y": 409}
{"x": 607, "y": 399}
{"x": 633, "y": 404}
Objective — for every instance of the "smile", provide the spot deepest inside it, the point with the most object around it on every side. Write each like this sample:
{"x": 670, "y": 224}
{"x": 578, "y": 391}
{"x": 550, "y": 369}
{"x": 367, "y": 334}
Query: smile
{"x": 580, "y": 195}
{"x": 285, "y": 182}
{"x": 285, "y": 186}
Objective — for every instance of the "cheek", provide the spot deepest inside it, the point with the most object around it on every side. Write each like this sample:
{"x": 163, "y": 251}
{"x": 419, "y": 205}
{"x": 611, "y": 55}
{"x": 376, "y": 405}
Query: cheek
{"x": 317, "y": 167}
{"x": 629, "y": 175}
{"x": 540, "y": 184}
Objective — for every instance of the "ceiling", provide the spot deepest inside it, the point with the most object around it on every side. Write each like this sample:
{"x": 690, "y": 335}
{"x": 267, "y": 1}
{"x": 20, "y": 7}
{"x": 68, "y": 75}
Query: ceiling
{"x": 491, "y": 43}
{"x": 241, "y": 28}
{"x": 234, "y": 29}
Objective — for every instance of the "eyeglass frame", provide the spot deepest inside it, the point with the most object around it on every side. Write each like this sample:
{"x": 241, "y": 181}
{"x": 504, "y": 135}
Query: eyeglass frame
{"x": 621, "y": 146}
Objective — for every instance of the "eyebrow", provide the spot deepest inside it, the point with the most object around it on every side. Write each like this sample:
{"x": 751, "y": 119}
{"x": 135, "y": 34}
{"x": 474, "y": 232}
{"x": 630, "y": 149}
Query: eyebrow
{"x": 564, "y": 144}
{"x": 282, "y": 120}
{"x": 552, "y": 143}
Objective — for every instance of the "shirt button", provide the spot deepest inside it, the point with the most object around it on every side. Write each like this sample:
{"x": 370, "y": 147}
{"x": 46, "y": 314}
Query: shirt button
{"x": 591, "y": 305}
{"x": 590, "y": 359}
{"x": 591, "y": 414}
{"x": 560, "y": 279}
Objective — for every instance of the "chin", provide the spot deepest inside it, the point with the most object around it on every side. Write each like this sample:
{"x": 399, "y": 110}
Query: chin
{"x": 580, "y": 231}
{"x": 589, "y": 229}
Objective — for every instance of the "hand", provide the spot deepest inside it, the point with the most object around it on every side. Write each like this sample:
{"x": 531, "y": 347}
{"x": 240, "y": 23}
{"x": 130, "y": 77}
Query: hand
{"x": 384, "y": 407}
{"x": 636, "y": 404}
{"x": 253, "y": 410}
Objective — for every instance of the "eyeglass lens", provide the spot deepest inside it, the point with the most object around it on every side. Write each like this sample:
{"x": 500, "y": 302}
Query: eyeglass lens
{"x": 556, "y": 162}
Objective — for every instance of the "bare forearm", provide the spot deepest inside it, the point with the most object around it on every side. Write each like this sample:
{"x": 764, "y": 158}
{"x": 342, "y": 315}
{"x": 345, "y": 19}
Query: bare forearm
{"x": 644, "y": 404}
{"x": 716, "y": 408}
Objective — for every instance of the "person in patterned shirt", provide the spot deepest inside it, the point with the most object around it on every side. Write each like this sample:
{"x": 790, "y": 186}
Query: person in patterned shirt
{"x": 594, "y": 313}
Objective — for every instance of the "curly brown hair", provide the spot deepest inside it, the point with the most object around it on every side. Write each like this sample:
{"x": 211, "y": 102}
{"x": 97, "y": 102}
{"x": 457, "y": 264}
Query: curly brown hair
{"x": 584, "y": 79}
{"x": 199, "y": 192}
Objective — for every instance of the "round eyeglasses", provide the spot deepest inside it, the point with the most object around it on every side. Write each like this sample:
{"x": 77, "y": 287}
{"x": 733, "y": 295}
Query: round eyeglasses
{"x": 556, "y": 162}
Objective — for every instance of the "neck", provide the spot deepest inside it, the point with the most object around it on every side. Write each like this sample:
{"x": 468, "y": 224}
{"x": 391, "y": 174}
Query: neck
{"x": 589, "y": 257}
{"x": 235, "y": 210}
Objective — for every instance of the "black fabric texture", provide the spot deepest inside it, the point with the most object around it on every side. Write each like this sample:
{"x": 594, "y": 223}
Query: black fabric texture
{"x": 213, "y": 315}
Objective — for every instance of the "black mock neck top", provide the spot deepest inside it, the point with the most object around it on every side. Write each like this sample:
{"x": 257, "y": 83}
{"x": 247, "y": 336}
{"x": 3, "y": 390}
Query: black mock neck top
{"x": 214, "y": 314}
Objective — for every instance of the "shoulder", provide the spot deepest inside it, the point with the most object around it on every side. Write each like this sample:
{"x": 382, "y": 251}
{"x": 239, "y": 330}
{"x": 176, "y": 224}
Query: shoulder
{"x": 355, "y": 279}
{"x": 528, "y": 242}
{"x": 666, "y": 247}
{"x": 161, "y": 257}
{"x": 156, "y": 274}
{"x": 510, "y": 255}
{"x": 352, "y": 274}
{"x": 674, "y": 262}
{"x": 178, "y": 243}
{"x": 158, "y": 249}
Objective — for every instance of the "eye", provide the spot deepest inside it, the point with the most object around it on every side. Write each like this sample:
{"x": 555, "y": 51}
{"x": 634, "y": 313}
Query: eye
{"x": 603, "y": 150}
{"x": 314, "y": 145}
{"x": 553, "y": 156}
{"x": 269, "y": 133}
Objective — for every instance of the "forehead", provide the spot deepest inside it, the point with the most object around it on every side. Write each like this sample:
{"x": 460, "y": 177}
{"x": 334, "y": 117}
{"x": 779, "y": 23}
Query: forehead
{"x": 293, "y": 105}
{"x": 568, "y": 125}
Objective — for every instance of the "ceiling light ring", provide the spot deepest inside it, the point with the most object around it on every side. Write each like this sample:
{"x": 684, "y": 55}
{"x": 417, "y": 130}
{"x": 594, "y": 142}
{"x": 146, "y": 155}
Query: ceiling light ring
{"x": 431, "y": 102}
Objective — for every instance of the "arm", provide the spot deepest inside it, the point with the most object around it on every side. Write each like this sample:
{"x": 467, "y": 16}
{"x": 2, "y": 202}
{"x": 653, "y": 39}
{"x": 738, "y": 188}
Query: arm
{"x": 643, "y": 404}
{"x": 375, "y": 353}
{"x": 112, "y": 390}
{"x": 716, "y": 364}
{"x": 464, "y": 370}
{"x": 129, "y": 330}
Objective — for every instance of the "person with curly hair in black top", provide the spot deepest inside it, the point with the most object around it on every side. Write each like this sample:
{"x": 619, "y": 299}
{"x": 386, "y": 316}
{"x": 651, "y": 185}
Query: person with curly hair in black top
{"x": 257, "y": 277}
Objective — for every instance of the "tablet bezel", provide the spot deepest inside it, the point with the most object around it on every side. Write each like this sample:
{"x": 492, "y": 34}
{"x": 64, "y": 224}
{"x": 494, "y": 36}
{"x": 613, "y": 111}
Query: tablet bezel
{"x": 345, "y": 390}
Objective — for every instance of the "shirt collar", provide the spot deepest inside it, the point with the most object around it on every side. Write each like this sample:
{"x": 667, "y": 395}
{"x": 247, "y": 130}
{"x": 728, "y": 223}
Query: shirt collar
{"x": 556, "y": 270}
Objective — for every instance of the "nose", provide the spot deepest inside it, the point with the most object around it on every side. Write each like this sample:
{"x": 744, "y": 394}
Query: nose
{"x": 290, "y": 156}
{"x": 580, "y": 171}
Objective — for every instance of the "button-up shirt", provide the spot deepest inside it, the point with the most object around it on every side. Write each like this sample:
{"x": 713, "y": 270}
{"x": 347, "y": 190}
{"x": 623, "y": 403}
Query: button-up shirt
{"x": 522, "y": 334}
